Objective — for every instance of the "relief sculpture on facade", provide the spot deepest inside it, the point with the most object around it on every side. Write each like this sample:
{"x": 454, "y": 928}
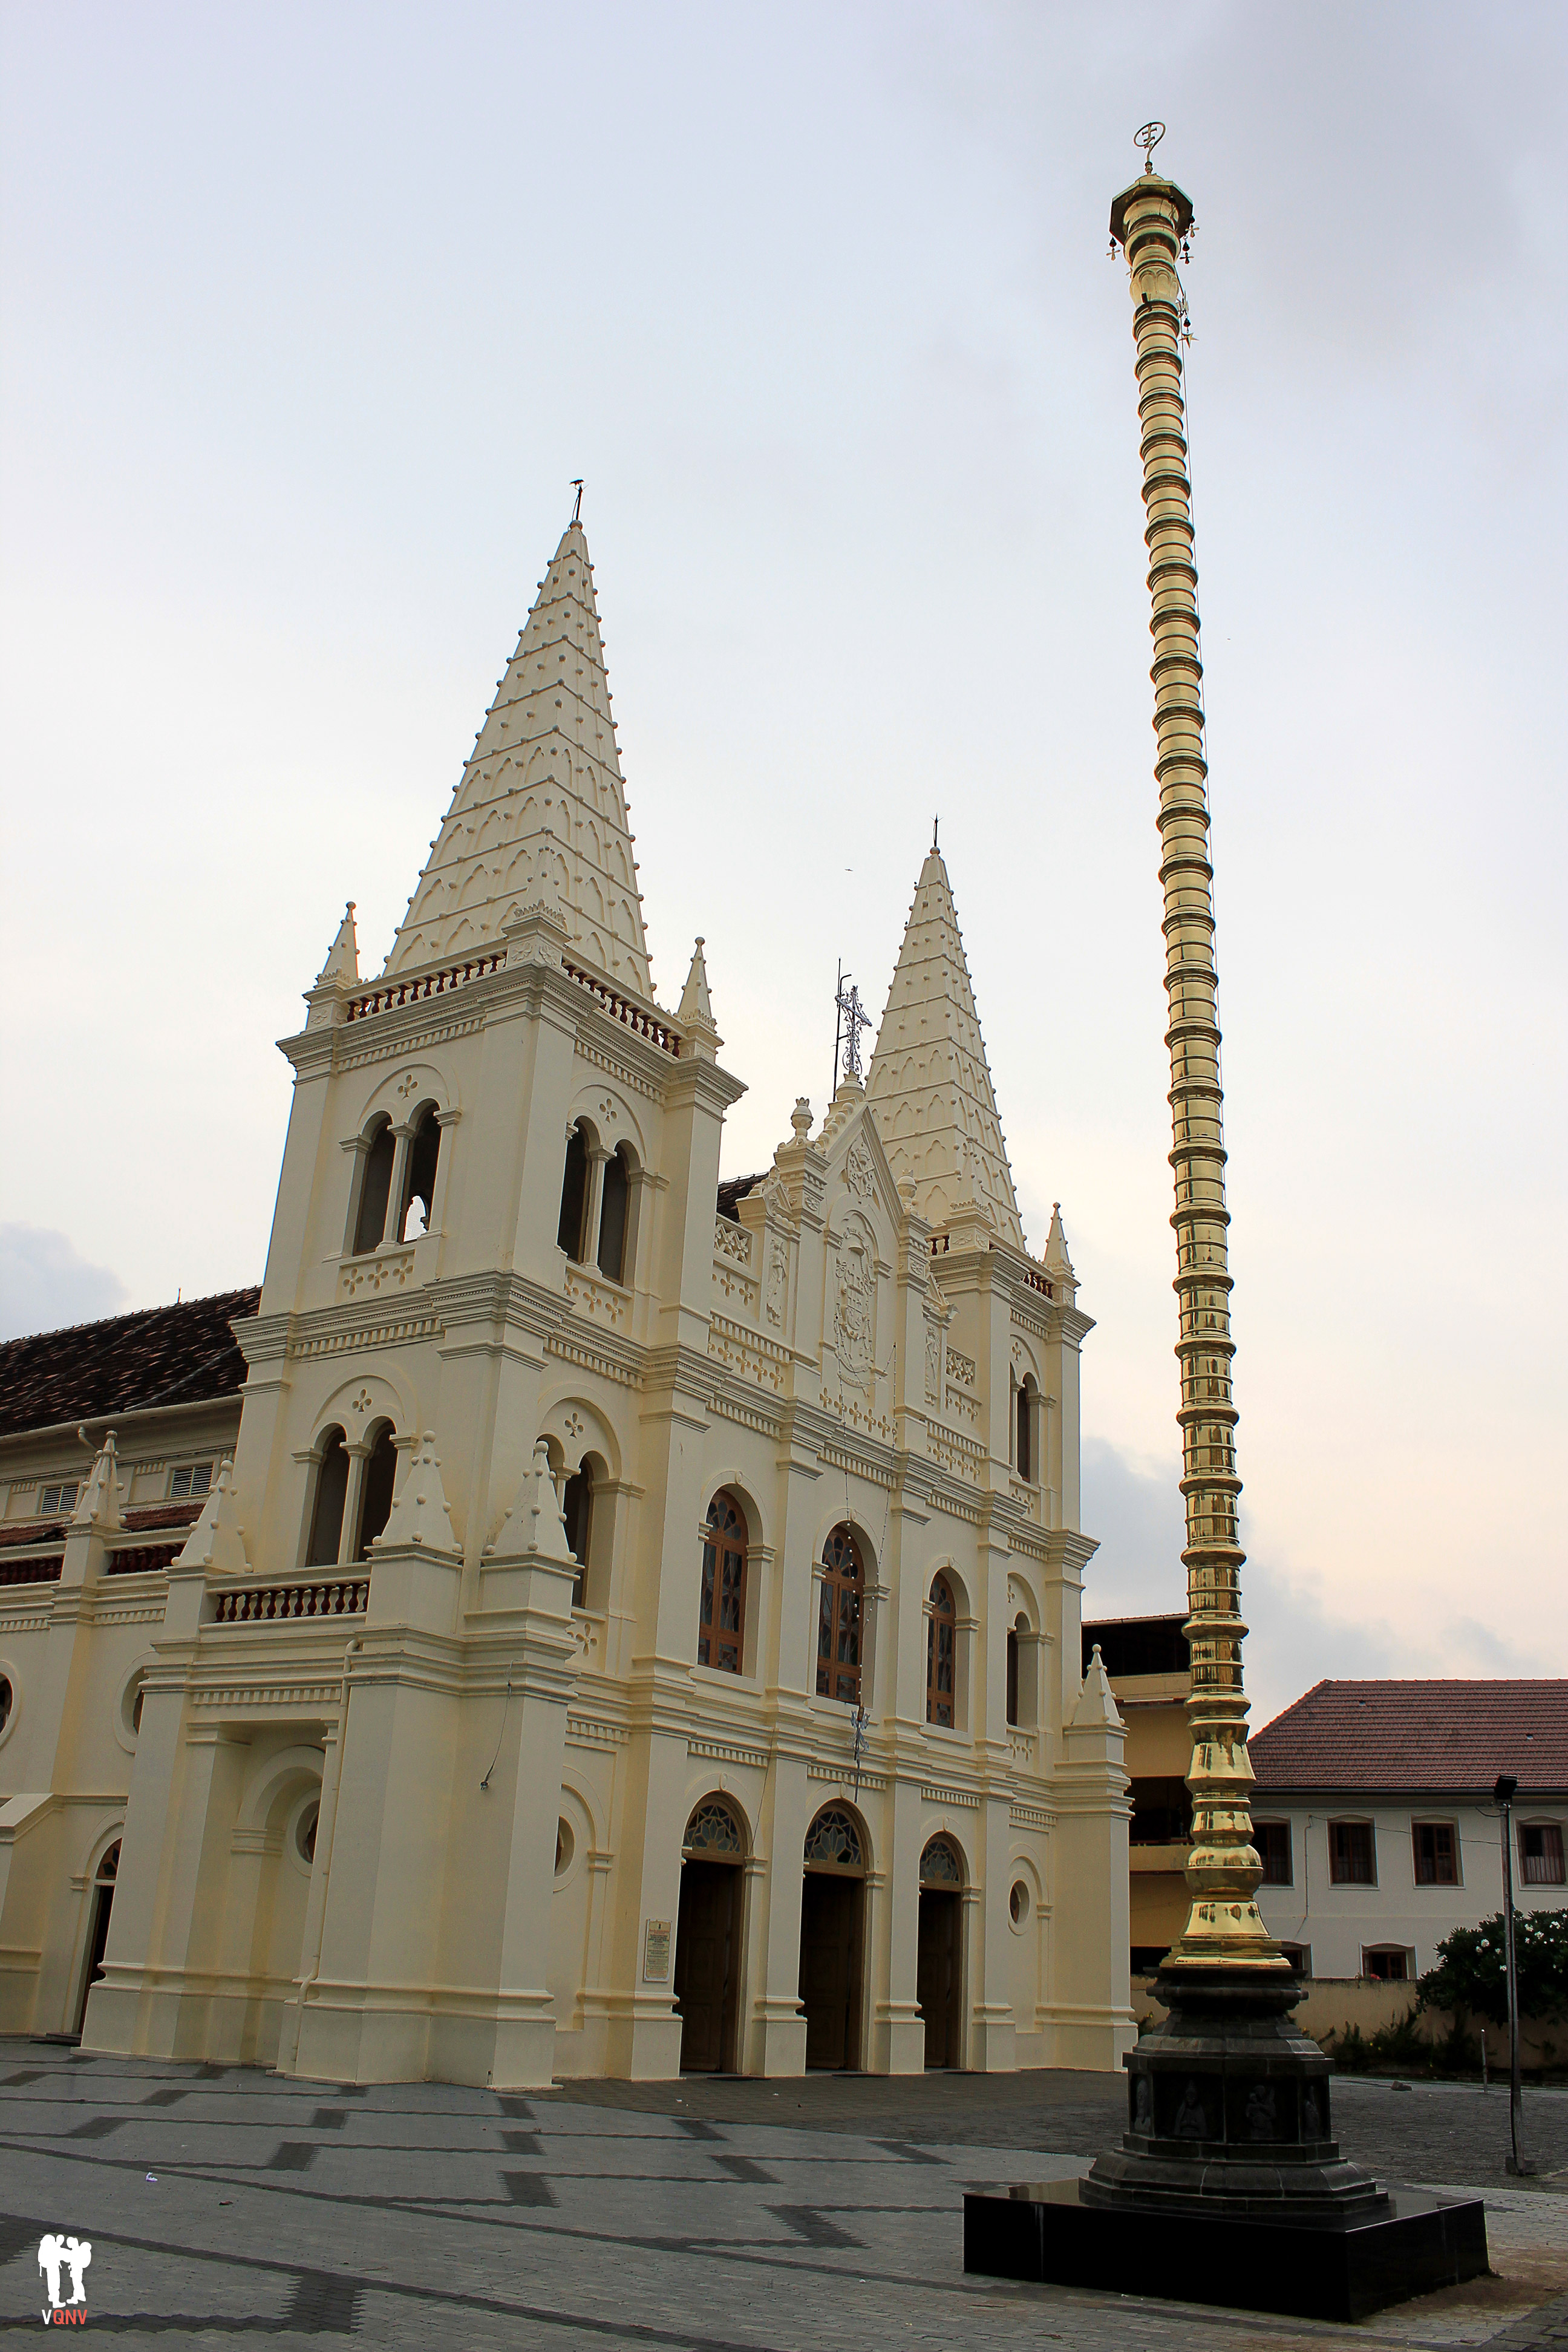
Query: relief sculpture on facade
{"x": 854, "y": 1322}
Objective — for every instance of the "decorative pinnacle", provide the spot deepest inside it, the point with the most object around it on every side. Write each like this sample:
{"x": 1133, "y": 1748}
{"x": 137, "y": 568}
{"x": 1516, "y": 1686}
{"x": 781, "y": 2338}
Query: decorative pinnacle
{"x": 577, "y": 510}
{"x": 1149, "y": 138}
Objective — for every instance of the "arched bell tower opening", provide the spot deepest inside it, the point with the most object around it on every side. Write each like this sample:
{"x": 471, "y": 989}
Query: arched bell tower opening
{"x": 708, "y": 1939}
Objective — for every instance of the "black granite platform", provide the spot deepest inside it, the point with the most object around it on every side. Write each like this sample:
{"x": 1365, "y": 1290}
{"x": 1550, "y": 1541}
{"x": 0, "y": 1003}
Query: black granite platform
{"x": 1337, "y": 2267}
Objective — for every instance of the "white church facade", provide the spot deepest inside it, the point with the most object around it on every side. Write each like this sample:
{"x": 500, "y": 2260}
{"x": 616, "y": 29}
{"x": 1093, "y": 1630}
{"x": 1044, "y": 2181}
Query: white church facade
{"x": 634, "y": 1619}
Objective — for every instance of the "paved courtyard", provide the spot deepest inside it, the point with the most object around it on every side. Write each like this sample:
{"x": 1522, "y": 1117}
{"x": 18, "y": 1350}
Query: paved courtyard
{"x": 718, "y": 2216}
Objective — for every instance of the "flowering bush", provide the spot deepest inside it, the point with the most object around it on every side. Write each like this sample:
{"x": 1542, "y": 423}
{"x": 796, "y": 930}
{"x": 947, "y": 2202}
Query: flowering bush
{"x": 1469, "y": 1976}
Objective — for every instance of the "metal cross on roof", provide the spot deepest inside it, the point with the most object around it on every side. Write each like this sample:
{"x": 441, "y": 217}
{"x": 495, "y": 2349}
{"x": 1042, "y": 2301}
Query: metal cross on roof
{"x": 852, "y": 1018}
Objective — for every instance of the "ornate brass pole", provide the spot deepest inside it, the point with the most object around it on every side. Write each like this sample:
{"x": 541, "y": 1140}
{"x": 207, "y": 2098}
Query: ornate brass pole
{"x": 1229, "y": 2127}
{"x": 1151, "y": 220}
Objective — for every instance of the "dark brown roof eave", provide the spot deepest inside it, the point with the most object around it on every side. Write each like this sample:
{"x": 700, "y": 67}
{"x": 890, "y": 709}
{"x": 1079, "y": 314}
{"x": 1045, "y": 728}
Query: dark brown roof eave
{"x": 117, "y": 1421}
{"x": 1412, "y": 1792}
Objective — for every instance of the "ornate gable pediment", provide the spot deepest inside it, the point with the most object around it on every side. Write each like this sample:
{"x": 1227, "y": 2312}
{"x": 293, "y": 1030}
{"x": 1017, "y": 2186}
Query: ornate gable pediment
{"x": 860, "y": 1176}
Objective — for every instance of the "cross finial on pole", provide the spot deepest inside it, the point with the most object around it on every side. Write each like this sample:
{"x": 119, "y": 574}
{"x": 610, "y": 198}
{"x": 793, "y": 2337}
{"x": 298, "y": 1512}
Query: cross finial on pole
{"x": 577, "y": 510}
{"x": 852, "y": 1018}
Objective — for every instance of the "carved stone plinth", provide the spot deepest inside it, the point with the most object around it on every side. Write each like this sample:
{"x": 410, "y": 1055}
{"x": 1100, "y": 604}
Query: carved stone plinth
{"x": 1229, "y": 2186}
{"x": 1228, "y": 2103}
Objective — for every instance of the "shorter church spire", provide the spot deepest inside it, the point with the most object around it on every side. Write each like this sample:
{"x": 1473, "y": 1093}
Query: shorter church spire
{"x": 930, "y": 1083}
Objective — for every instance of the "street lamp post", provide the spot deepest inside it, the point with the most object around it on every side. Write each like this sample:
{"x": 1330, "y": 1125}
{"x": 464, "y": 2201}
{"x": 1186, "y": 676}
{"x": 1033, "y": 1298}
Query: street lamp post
{"x": 1503, "y": 1789}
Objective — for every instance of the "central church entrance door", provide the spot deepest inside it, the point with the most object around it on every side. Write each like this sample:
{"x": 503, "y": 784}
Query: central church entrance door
{"x": 708, "y": 1941}
{"x": 832, "y": 1938}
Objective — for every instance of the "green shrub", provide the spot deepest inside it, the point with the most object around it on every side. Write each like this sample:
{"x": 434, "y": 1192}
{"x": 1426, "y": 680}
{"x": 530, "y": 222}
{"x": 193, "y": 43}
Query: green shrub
{"x": 1469, "y": 1977}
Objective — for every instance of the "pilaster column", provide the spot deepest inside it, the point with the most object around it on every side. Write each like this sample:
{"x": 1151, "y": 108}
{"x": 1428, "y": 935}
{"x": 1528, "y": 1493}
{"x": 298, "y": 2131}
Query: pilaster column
{"x": 1151, "y": 220}
{"x": 593, "y": 1206}
{"x": 353, "y": 1496}
{"x": 392, "y": 1231}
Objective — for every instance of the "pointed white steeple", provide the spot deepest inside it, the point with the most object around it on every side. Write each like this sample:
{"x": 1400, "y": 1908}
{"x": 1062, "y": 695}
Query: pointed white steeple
{"x": 1057, "y": 1260}
{"x": 341, "y": 966}
{"x": 696, "y": 1015}
{"x": 218, "y": 1539}
{"x": 421, "y": 1515}
{"x": 534, "y": 1528}
{"x": 98, "y": 1505}
{"x": 541, "y": 811}
{"x": 929, "y": 1084}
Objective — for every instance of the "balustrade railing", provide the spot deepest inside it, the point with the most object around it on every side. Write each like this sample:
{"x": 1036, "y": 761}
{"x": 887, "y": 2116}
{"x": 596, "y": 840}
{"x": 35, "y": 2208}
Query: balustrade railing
{"x": 620, "y": 1008}
{"x": 254, "y": 1604}
{"x": 144, "y": 1560}
{"x": 414, "y": 991}
{"x": 33, "y": 1571}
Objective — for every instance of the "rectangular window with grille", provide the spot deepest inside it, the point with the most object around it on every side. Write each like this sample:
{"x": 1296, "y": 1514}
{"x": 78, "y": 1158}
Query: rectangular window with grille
{"x": 1272, "y": 1840}
{"x": 1437, "y": 1853}
{"x": 191, "y": 1480}
{"x": 53, "y": 1499}
{"x": 1352, "y": 1854}
{"x": 1540, "y": 1853}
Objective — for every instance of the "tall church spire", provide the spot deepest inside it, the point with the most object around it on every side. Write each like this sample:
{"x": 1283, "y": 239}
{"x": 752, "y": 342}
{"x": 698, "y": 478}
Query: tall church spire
{"x": 929, "y": 1084}
{"x": 542, "y": 807}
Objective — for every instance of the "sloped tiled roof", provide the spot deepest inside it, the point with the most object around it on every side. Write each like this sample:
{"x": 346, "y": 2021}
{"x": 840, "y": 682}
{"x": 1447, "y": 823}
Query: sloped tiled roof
{"x": 733, "y": 1192}
{"x": 1450, "y": 1735}
{"x": 159, "y": 1356}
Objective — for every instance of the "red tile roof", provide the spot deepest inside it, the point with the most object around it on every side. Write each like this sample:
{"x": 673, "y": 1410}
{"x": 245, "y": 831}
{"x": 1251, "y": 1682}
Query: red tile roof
{"x": 159, "y": 1356}
{"x": 1451, "y": 1736}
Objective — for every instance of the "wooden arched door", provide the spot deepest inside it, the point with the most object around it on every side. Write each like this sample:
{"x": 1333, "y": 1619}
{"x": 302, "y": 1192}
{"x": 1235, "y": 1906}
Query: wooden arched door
{"x": 708, "y": 1941}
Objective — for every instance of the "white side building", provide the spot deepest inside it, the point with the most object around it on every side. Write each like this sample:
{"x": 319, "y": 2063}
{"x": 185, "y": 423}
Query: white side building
{"x": 1375, "y": 1816}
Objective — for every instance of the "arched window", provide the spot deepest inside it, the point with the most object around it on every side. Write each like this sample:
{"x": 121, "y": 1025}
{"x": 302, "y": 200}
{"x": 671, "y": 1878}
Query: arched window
{"x": 1025, "y": 1401}
{"x": 721, "y": 1605}
{"x": 940, "y": 1864}
{"x": 834, "y": 1843}
{"x": 376, "y": 1503}
{"x": 376, "y": 1184}
{"x": 332, "y": 1492}
{"x": 574, "y": 1195}
{"x": 424, "y": 1150}
{"x": 942, "y": 1629}
{"x": 839, "y": 1619}
{"x": 1013, "y": 1675}
{"x": 613, "y": 1214}
{"x": 713, "y": 1834}
{"x": 577, "y": 1510}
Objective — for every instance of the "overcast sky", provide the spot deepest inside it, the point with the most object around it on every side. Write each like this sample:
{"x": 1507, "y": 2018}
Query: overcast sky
{"x": 311, "y": 314}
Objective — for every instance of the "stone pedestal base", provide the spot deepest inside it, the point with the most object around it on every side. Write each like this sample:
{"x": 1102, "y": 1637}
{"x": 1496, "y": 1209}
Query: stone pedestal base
{"x": 1336, "y": 2266}
{"x": 1229, "y": 2187}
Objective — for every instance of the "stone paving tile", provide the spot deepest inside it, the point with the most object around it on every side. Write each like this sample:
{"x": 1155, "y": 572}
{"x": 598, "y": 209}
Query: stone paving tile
{"x": 419, "y": 2214}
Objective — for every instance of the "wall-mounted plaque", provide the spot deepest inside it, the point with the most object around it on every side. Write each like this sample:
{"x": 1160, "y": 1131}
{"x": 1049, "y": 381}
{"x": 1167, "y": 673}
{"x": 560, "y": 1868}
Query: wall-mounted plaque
{"x": 656, "y": 1951}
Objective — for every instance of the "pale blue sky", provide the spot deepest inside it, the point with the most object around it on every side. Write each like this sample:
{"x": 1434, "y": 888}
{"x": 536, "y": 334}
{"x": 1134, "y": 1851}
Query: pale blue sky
{"x": 310, "y": 315}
